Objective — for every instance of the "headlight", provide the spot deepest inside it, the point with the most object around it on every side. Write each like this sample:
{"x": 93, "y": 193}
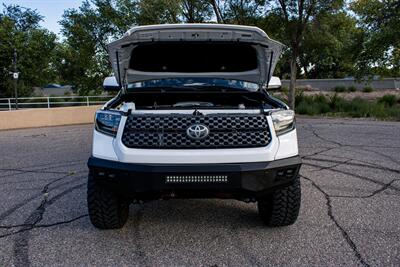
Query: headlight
{"x": 107, "y": 122}
{"x": 283, "y": 121}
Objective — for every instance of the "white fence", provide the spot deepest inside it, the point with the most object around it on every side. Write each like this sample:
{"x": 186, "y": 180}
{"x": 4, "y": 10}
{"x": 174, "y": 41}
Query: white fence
{"x": 52, "y": 102}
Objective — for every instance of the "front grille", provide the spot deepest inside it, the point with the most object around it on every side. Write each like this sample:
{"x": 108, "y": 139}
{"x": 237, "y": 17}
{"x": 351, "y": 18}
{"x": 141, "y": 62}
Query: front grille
{"x": 168, "y": 131}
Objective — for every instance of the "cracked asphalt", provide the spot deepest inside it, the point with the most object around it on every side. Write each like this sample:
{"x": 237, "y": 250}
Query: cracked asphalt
{"x": 350, "y": 212}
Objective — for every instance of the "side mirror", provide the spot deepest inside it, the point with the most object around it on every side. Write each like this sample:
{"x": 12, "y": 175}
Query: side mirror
{"x": 274, "y": 83}
{"x": 111, "y": 84}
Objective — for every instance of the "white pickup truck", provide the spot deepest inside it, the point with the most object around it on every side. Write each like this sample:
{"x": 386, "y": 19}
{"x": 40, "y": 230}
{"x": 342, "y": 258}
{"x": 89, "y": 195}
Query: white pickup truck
{"x": 193, "y": 118}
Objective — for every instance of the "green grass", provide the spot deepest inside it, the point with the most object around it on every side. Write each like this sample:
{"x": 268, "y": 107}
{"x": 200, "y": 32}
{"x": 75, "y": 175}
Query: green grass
{"x": 352, "y": 88}
{"x": 368, "y": 89}
{"x": 388, "y": 100}
{"x": 340, "y": 89}
{"x": 386, "y": 107}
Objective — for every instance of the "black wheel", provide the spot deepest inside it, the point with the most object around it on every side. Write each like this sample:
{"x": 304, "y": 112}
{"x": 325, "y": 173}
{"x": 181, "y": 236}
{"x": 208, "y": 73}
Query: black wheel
{"x": 281, "y": 208}
{"x": 106, "y": 209}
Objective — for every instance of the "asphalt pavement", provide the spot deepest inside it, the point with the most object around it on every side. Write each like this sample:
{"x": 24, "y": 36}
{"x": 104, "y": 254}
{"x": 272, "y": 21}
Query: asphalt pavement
{"x": 350, "y": 212}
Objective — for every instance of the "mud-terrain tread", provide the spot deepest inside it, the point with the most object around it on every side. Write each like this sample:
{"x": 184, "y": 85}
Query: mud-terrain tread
{"x": 281, "y": 208}
{"x": 106, "y": 209}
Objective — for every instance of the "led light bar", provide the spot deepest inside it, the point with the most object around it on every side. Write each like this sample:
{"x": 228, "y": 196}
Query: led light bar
{"x": 184, "y": 179}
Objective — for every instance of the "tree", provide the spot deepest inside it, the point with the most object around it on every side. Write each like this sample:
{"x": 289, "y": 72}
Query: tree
{"x": 291, "y": 18}
{"x": 381, "y": 49}
{"x": 87, "y": 32}
{"x": 174, "y": 11}
{"x": 331, "y": 46}
{"x": 90, "y": 28}
{"x": 158, "y": 12}
{"x": 217, "y": 10}
{"x": 243, "y": 12}
{"x": 195, "y": 11}
{"x": 19, "y": 29}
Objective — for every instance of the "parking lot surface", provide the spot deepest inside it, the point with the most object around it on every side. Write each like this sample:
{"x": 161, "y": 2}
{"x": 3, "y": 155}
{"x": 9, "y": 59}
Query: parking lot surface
{"x": 350, "y": 212}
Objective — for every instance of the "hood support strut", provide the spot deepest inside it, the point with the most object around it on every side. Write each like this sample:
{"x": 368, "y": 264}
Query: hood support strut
{"x": 269, "y": 69}
{"x": 118, "y": 69}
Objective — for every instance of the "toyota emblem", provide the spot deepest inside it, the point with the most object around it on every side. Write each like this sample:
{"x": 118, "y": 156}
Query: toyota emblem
{"x": 197, "y": 131}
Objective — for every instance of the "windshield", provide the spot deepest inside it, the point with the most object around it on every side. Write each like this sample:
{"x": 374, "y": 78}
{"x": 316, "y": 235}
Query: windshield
{"x": 194, "y": 83}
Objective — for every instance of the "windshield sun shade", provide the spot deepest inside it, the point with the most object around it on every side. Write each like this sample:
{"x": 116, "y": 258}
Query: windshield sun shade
{"x": 193, "y": 57}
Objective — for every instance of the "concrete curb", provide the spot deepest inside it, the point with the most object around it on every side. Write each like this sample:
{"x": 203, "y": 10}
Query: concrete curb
{"x": 43, "y": 117}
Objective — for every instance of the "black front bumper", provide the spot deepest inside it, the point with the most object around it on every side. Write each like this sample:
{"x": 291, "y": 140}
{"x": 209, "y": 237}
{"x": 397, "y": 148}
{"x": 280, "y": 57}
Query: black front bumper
{"x": 233, "y": 180}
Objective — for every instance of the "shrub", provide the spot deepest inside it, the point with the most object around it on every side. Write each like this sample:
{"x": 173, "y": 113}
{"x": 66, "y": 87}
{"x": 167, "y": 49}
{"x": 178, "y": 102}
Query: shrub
{"x": 393, "y": 112}
{"x": 352, "y": 88}
{"x": 335, "y": 102}
{"x": 357, "y": 107}
{"x": 340, "y": 89}
{"x": 368, "y": 89}
{"x": 320, "y": 98}
{"x": 304, "y": 108}
{"x": 299, "y": 96}
{"x": 388, "y": 100}
{"x": 385, "y": 107}
{"x": 312, "y": 105}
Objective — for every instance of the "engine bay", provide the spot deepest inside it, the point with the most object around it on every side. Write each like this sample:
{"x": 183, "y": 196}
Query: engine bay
{"x": 197, "y": 100}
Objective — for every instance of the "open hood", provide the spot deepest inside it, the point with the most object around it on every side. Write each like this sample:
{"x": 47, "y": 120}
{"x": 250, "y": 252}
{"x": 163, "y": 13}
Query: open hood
{"x": 195, "y": 50}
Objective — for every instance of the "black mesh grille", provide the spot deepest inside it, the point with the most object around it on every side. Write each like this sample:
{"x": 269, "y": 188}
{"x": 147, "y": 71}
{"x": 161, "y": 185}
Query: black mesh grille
{"x": 169, "y": 131}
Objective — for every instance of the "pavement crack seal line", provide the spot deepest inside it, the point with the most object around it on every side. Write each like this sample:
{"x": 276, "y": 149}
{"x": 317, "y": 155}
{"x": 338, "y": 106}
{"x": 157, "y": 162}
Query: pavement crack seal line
{"x": 61, "y": 222}
{"x": 380, "y": 154}
{"x": 27, "y": 225}
{"x": 380, "y": 190}
{"x": 36, "y": 216}
{"x": 360, "y": 147}
{"x": 365, "y": 123}
{"x": 21, "y": 242}
{"x": 383, "y": 184}
{"x": 23, "y": 203}
{"x": 344, "y": 233}
{"x": 352, "y": 175}
{"x": 66, "y": 174}
{"x": 330, "y": 167}
{"x": 319, "y": 152}
{"x": 43, "y": 170}
{"x": 56, "y": 164}
{"x": 30, "y": 226}
{"x": 44, "y": 193}
{"x": 36, "y": 135}
{"x": 18, "y": 172}
{"x": 348, "y": 162}
{"x": 314, "y": 131}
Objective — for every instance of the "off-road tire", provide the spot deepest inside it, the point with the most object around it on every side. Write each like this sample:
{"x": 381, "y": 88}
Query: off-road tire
{"x": 106, "y": 209}
{"x": 281, "y": 208}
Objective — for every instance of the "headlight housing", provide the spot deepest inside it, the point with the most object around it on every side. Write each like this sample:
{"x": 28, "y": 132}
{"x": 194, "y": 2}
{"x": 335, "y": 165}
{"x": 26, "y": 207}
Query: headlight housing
{"x": 283, "y": 121}
{"x": 107, "y": 122}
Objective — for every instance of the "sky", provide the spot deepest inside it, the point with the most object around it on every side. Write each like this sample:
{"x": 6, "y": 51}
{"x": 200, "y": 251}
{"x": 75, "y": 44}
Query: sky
{"x": 52, "y": 10}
